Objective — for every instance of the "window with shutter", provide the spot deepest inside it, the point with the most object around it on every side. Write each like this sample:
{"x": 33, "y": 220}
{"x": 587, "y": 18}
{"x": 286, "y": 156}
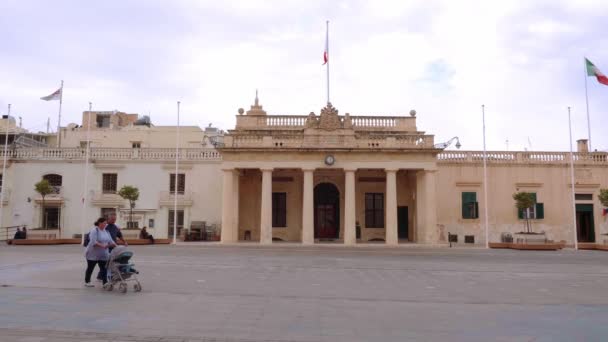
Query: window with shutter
{"x": 181, "y": 183}
{"x": 374, "y": 210}
{"x": 109, "y": 183}
{"x": 470, "y": 207}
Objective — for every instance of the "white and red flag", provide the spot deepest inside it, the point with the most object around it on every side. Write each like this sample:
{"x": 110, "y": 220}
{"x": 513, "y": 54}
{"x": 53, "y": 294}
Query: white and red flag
{"x": 54, "y": 96}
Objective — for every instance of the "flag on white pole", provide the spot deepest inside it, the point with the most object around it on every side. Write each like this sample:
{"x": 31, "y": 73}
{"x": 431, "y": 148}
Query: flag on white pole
{"x": 326, "y": 51}
{"x": 54, "y": 96}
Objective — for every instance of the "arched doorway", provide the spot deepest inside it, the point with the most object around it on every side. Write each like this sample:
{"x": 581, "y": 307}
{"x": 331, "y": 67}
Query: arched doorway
{"x": 327, "y": 211}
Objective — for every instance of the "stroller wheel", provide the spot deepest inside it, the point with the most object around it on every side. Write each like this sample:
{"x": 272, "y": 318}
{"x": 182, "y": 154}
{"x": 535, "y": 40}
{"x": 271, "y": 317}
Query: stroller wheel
{"x": 122, "y": 288}
{"x": 108, "y": 287}
{"x": 137, "y": 287}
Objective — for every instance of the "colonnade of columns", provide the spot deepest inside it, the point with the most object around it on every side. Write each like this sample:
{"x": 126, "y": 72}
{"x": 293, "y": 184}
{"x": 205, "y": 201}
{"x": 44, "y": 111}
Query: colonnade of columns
{"x": 425, "y": 207}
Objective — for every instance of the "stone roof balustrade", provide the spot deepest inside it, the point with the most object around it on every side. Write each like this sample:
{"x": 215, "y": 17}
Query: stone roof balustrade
{"x": 518, "y": 157}
{"x": 144, "y": 154}
{"x": 359, "y": 123}
{"x": 285, "y": 140}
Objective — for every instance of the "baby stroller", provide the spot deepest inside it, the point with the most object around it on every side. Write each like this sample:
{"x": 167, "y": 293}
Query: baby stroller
{"x": 121, "y": 270}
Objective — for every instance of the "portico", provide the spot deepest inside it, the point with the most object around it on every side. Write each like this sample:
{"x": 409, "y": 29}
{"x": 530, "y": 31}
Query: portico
{"x": 312, "y": 179}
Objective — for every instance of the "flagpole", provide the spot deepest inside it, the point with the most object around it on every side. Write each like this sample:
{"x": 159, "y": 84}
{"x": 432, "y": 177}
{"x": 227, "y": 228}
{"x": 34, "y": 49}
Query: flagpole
{"x": 485, "y": 177}
{"x": 59, "y": 119}
{"x": 8, "y": 119}
{"x": 327, "y": 51}
{"x": 86, "y": 175}
{"x": 587, "y": 103}
{"x": 176, "y": 179}
{"x": 572, "y": 181}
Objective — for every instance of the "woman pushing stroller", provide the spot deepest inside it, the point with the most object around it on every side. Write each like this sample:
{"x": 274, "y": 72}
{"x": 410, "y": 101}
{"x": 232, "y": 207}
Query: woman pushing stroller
{"x": 97, "y": 252}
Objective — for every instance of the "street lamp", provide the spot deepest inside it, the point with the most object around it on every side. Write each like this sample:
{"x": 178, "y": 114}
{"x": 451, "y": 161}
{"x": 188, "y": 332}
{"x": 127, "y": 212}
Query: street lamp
{"x": 444, "y": 145}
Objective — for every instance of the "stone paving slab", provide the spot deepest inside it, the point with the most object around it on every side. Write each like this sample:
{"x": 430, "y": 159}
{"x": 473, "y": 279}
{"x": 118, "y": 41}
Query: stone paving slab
{"x": 247, "y": 293}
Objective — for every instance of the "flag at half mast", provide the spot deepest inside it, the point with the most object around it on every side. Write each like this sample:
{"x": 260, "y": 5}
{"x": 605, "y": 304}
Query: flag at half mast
{"x": 592, "y": 70}
{"x": 54, "y": 96}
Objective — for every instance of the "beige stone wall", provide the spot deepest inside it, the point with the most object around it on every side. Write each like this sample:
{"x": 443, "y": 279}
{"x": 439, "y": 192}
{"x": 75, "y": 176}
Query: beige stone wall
{"x": 148, "y": 137}
{"x": 550, "y": 182}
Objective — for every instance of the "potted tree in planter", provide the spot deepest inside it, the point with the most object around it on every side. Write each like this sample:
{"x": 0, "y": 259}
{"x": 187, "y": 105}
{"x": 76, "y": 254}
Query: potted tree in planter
{"x": 44, "y": 188}
{"x": 603, "y": 196}
{"x": 131, "y": 194}
{"x": 604, "y": 200}
{"x": 524, "y": 201}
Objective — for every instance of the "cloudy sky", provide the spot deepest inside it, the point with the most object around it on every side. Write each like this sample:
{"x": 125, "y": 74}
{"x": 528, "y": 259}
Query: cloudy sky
{"x": 522, "y": 59}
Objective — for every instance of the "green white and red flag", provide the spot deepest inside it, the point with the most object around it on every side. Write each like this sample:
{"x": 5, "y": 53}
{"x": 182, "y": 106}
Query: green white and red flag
{"x": 592, "y": 70}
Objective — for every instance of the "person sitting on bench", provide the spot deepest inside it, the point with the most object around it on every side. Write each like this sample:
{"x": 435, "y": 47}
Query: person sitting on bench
{"x": 144, "y": 235}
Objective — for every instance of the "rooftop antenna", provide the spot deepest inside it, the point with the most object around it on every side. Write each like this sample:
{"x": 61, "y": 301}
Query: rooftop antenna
{"x": 256, "y": 97}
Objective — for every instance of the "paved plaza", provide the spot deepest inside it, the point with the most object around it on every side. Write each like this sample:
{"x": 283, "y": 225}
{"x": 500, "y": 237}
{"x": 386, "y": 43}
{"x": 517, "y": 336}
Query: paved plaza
{"x": 321, "y": 293}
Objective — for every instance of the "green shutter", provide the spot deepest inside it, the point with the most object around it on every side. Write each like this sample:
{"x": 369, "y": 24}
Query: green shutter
{"x": 467, "y": 197}
{"x": 476, "y": 210}
{"x": 540, "y": 211}
{"x": 520, "y": 214}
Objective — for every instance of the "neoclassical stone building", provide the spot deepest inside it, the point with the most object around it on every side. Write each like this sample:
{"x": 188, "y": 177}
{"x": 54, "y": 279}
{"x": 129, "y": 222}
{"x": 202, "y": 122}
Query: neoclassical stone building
{"x": 300, "y": 179}
{"x": 328, "y": 177}
{"x": 369, "y": 178}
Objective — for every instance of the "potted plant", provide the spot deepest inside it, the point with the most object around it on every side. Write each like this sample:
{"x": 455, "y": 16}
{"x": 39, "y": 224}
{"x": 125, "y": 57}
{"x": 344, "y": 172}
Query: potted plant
{"x": 603, "y": 196}
{"x": 131, "y": 194}
{"x": 44, "y": 188}
{"x": 524, "y": 201}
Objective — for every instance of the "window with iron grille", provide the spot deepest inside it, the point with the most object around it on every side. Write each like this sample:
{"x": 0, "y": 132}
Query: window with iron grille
{"x": 374, "y": 210}
{"x": 132, "y": 224}
{"x": 55, "y": 182}
{"x": 279, "y": 209}
{"x": 53, "y": 179}
{"x": 109, "y": 183}
{"x": 181, "y": 183}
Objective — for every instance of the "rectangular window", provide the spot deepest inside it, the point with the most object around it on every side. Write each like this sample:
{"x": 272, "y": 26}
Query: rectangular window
{"x": 470, "y": 207}
{"x": 180, "y": 222}
{"x": 136, "y": 144}
{"x": 537, "y": 211}
{"x": 279, "y": 209}
{"x": 181, "y": 183}
{"x": 51, "y": 217}
{"x": 105, "y": 212}
{"x": 132, "y": 224}
{"x": 1, "y": 181}
{"x": 109, "y": 183}
{"x": 374, "y": 210}
{"x": 583, "y": 197}
{"x": 103, "y": 121}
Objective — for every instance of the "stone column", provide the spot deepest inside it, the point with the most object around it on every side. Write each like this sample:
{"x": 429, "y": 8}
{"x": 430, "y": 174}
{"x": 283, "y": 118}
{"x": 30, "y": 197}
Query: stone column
{"x": 235, "y": 217}
{"x": 350, "y": 234}
{"x": 227, "y": 207}
{"x": 392, "y": 237}
{"x": 308, "y": 227}
{"x": 266, "y": 214}
{"x": 426, "y": 210}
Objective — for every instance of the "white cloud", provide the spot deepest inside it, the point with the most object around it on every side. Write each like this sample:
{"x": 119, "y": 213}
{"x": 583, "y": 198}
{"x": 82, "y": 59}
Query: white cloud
{"x": 522, "y": 59}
